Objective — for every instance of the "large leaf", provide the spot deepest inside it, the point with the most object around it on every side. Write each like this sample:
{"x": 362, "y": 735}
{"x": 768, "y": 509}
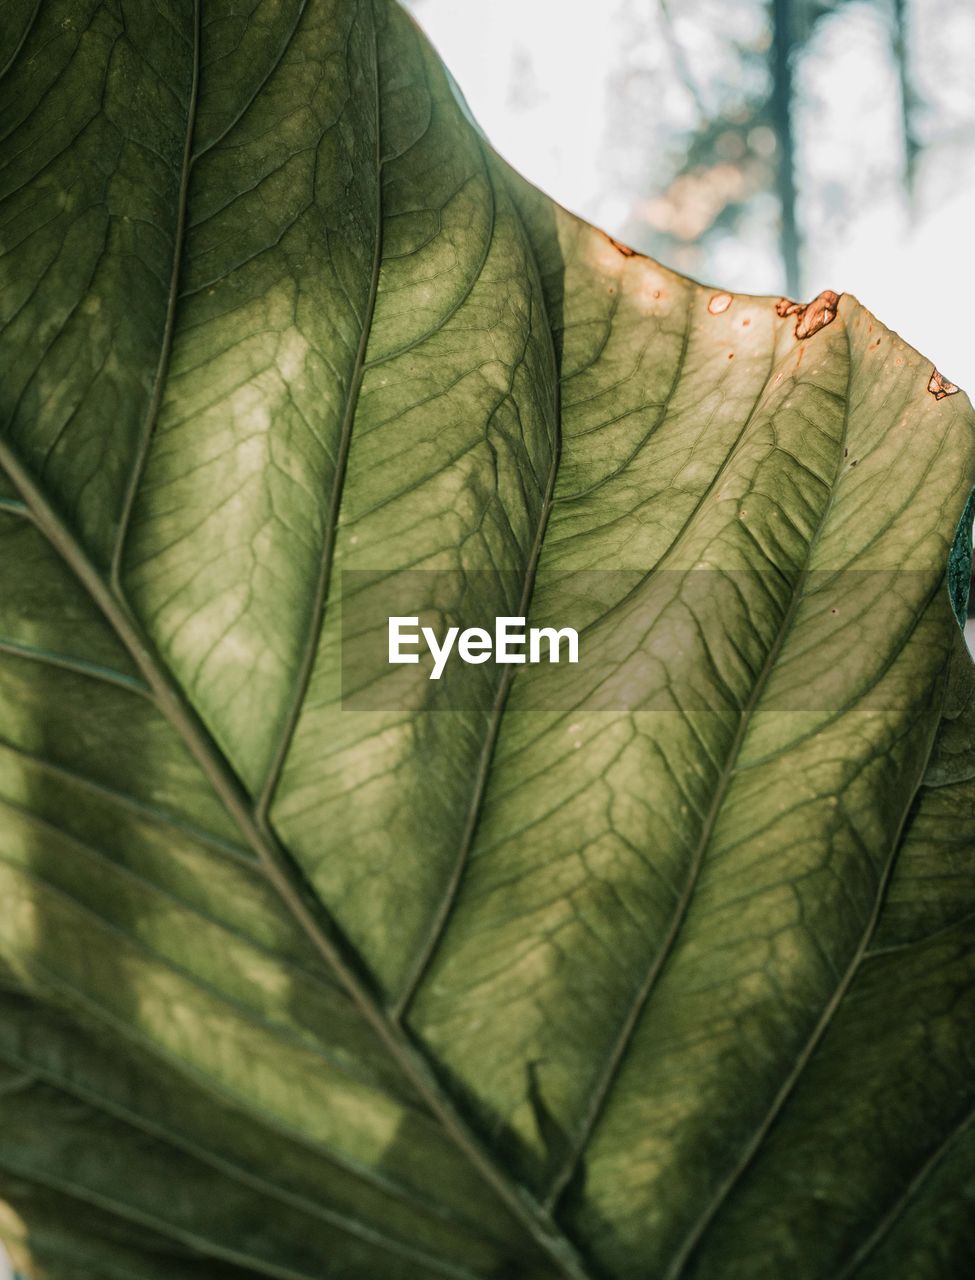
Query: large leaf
{"x": 658, "y": 966}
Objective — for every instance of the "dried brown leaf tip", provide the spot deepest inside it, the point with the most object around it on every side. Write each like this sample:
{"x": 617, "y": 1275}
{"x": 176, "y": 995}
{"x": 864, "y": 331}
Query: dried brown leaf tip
{"x": 719, "y": 303}
{"x": 939, "y": 386}
{"x": 810, "y": 316}
{"x": 624, "y": 249}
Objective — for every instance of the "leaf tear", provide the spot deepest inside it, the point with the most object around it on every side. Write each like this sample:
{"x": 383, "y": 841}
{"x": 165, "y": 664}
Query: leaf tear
{"x": 939, "y": 386}
{"x": 810, "y": 316}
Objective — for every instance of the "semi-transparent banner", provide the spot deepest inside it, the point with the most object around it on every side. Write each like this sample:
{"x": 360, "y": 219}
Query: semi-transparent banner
{"x": 671, "y": 640}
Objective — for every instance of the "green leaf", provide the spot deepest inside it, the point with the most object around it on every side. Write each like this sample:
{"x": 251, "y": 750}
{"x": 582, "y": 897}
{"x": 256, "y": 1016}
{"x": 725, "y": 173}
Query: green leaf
{"x": 661, "y": 965}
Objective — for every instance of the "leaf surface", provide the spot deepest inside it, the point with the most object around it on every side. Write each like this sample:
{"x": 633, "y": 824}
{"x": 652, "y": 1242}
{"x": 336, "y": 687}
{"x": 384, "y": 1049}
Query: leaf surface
{"x": 660, "y": 965}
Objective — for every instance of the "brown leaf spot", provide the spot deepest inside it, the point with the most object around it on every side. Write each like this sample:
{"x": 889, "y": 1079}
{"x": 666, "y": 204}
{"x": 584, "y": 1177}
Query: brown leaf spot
{"x": 719, "y": 303}
{"x": 624, "y": 249}
{"x": 810, "y": 316}
{"x": 939, "y": 386}
{"x": 817, "y": 314}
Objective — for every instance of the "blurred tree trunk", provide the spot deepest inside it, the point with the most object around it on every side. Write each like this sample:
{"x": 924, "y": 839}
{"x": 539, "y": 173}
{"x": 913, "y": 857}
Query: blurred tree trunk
{"x": 901, "y": 57}
{"x": 783, "y": 40}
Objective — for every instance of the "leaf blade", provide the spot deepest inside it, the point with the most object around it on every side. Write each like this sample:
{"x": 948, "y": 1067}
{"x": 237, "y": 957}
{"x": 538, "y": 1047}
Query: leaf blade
{"x": 435, "y": 959}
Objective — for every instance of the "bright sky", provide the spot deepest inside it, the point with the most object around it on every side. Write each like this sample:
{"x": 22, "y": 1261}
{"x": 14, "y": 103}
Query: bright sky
{"x": 538, "y": 76}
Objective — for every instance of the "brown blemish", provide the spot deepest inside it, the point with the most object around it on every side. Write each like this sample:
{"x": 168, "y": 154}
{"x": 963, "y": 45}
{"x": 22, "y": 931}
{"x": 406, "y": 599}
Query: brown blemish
{"x": 731, "y": 355}
{"x": 624, "y": 249}
{"x": 720, "y": 302}
{"x": 939, "y": 386}
{"x": 810, "y": 316}
{"x": 745, "y": 323}
{"x": 818, "y": 314}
